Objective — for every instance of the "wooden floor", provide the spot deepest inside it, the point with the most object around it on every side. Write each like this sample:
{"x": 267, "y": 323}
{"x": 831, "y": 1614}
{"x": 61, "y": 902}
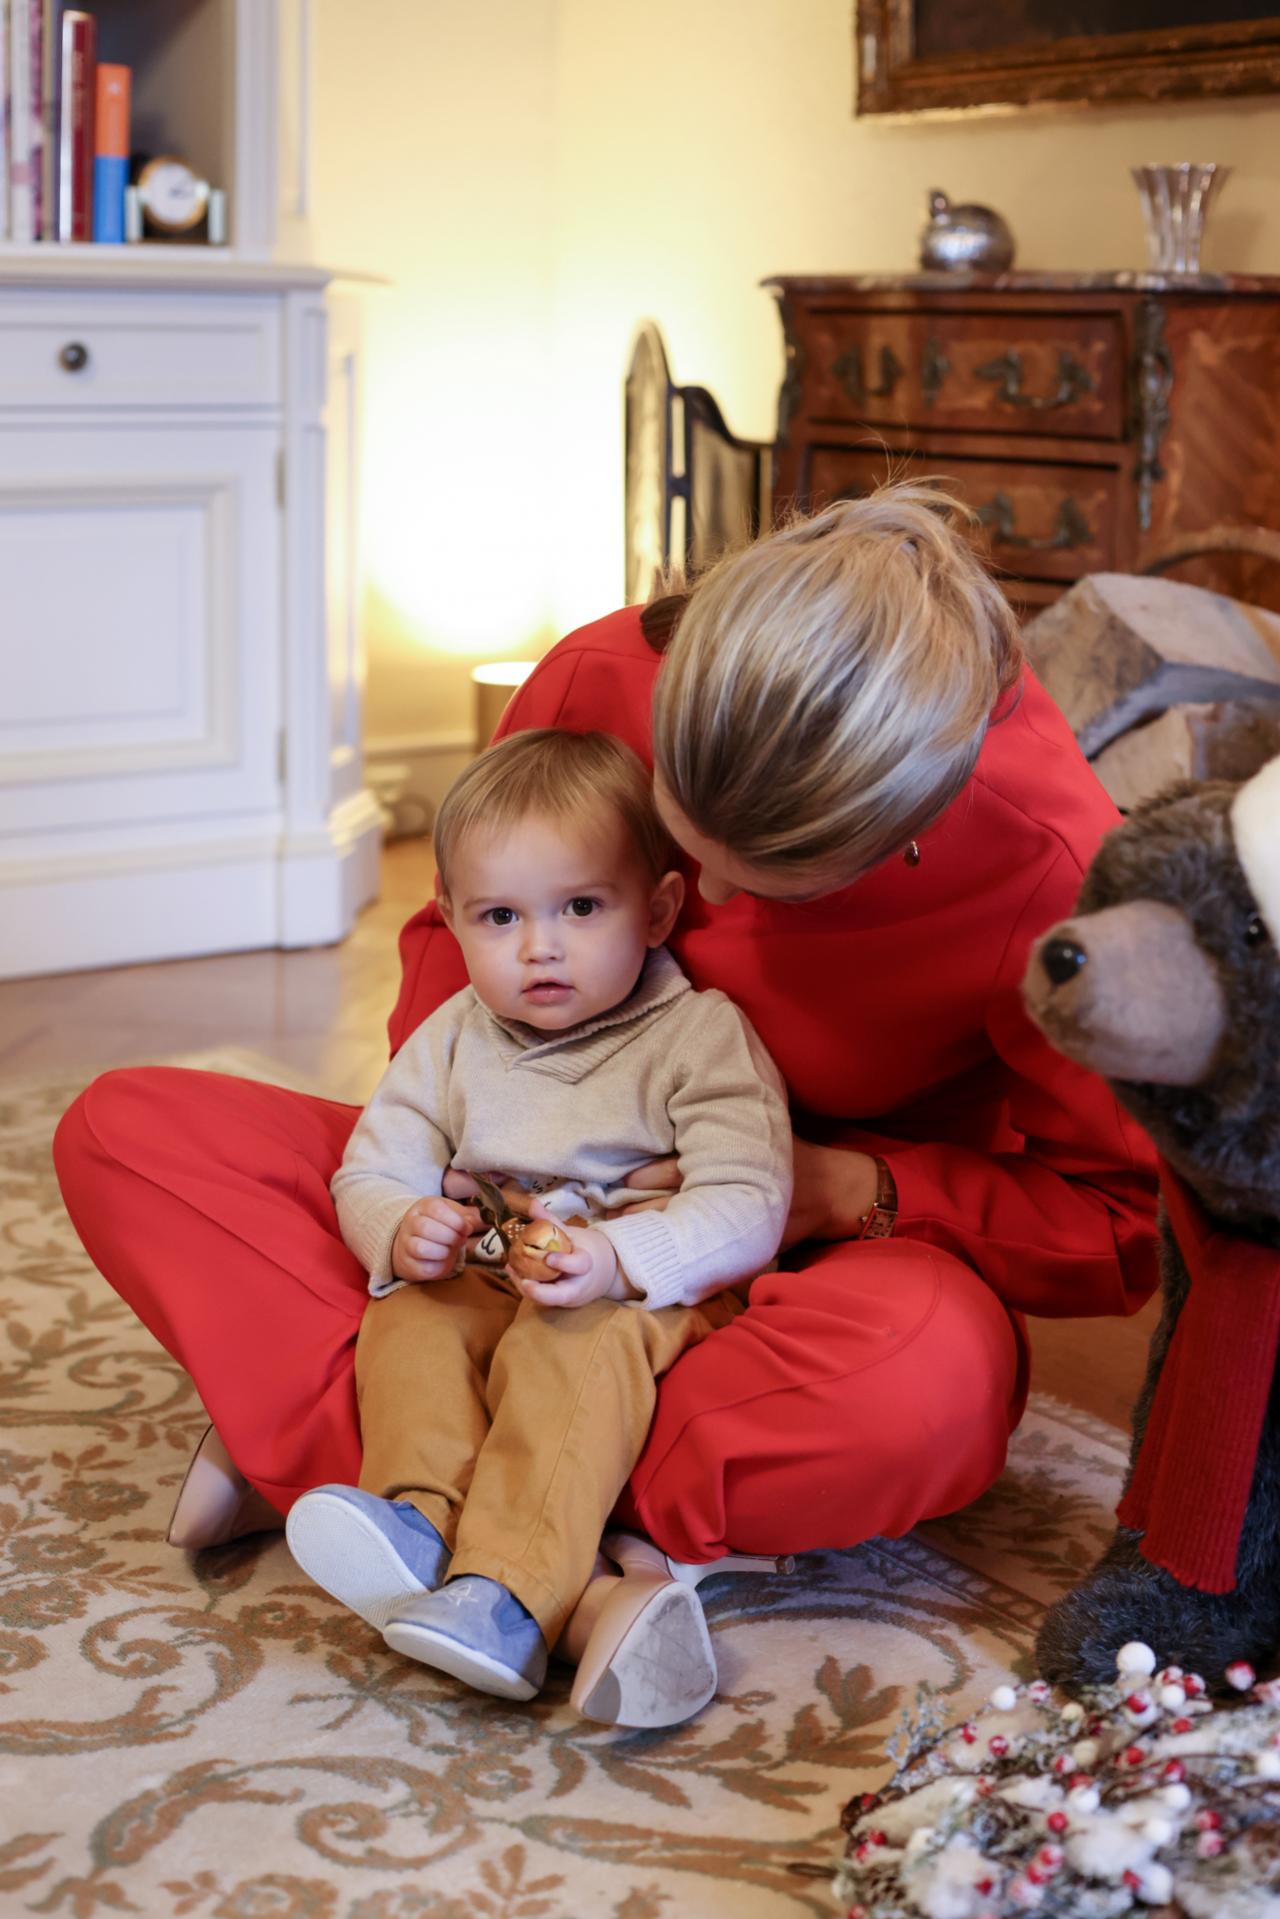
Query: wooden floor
{"x": 323, "y": 1013}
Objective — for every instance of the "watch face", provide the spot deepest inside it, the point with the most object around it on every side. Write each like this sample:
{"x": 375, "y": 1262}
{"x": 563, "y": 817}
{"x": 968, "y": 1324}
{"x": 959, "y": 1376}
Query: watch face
{"x": 172, "y": 195}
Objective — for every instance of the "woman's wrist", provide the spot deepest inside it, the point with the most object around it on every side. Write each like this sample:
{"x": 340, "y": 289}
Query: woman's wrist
{"x": 854, "y": 1178}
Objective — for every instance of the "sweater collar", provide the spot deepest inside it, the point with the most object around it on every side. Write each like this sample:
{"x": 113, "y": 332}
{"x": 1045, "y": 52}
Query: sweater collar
{"x": 577, "y": 1050}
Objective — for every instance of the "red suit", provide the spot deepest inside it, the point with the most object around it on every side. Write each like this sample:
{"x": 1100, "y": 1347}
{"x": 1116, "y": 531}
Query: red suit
{"x": 875, "y": 1384}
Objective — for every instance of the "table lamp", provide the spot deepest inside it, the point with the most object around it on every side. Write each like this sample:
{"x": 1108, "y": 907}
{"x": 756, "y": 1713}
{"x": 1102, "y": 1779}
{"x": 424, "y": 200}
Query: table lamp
{"x": 494, "y": 685}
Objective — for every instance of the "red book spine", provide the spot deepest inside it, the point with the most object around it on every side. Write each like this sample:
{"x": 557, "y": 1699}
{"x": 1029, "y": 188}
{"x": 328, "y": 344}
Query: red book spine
{"x": 79, "y": 88}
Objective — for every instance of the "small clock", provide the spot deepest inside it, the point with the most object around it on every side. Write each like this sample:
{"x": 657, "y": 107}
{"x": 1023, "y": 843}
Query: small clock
{"x": 173, "y": 197}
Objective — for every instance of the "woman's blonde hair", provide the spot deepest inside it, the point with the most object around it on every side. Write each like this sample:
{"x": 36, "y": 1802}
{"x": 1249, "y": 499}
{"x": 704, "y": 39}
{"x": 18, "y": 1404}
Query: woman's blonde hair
{"x": 553, "y": 774}
{"x": 826, "y": 691}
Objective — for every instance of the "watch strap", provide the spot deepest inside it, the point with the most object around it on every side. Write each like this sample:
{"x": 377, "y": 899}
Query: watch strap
{"x": 881, "y": 1216}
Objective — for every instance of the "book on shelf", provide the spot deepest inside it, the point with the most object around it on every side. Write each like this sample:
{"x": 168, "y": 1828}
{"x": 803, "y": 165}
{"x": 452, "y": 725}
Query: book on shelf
{"x": 75, "y": 93}
{"x": 111, "y": 151}
{"x": 4, "y": 119}
{"x": 25, "y": 100}
{"x": 64, "y": 126}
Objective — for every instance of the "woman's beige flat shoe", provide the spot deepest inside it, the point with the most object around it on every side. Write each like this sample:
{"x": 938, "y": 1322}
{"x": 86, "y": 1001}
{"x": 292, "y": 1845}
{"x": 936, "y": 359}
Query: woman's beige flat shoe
{"x": 216, "y": 1503}
{"x": 648, "y": 1660}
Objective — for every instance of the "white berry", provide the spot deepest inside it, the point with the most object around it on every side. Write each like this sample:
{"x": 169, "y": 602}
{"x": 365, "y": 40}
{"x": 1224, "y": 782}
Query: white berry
{"x": 1004, "y": 1699}
{"x": 1135, "y": 1658}
{"x": 1176, "y": 1796}
{"x": 1172, "y": 1697}
{"x": 1267, "y": 1764}
{"x": 1157, "y": 1884}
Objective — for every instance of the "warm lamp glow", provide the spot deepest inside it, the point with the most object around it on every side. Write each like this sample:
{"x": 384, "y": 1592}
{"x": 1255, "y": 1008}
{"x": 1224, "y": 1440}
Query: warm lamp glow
{"x": 494, "y": 683}
{"x": 508, "y": 673}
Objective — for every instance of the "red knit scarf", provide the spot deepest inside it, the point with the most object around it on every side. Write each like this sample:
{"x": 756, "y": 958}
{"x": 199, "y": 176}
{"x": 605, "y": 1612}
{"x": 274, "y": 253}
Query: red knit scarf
{"x": 1191, "y": 1482}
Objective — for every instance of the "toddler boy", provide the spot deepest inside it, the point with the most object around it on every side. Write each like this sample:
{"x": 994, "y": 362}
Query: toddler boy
{"x": 501, "y": 1418}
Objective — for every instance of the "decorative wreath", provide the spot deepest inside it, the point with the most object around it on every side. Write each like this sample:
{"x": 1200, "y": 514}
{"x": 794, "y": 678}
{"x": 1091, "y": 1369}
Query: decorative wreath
{"x": 1147, "y": 1797}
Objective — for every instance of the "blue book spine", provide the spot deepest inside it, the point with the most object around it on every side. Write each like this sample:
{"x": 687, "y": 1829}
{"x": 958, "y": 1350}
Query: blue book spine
{"x": 110, "y": 177}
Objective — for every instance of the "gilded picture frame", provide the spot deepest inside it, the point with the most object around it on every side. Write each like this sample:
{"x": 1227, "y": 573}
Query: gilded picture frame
{"x": 917, "y": 54}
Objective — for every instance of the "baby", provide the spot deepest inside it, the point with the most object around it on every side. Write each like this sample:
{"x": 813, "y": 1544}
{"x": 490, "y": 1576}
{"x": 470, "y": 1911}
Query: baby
{"x": 501, "y": 1417}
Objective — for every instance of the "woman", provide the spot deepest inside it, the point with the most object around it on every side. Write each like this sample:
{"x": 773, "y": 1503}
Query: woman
{"x": 881, "y": 811}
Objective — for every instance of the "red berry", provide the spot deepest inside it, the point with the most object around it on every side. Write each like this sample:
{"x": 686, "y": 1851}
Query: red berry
{"x": 1049, "y": 1858}
{"x": 984, "y": 1886}
{"x": 969, "y": 1734}
{"x": 1057, "y": 1822}
{"x": 1208, "y": 1820}
{"x": 1192, "y": 1684}
{"x": 1034, "y": 1875}
{"x": 1062, "y": 1763}
{"x": 1132, "y": 1756}
{"x": 1131, "y": 1879}
{"x": 1210, "y": 1844}
{"x": 1081, "y": 1779}
{"x": 1240, "y": 1674}
{"x": 998, "y": 1744}
{"x": 1181, "y": 1725}
{"x": 867, "y": 1800}
{"x": 877, "y": 1838}
{"x": 1138, "y": 1702}
{"x": 1175, "y": 1772}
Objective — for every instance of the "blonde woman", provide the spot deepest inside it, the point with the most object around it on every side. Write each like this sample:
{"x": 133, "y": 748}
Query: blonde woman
{"x": 880, "y": 810}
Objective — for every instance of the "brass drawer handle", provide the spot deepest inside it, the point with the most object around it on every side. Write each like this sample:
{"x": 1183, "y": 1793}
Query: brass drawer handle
{"x": 1072, "y": 530}
{"x": 74, "y": 357}
{"x": 849, "y": 370}
{"x": 1073, "y": 382}
{"x": 934, "y": 368}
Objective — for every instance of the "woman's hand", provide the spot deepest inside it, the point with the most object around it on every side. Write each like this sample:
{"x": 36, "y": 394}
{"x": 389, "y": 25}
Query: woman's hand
{"x": 430, "y": 1237}
{"x": 833, "y": 1190}
{"x": 590, "y": 1268}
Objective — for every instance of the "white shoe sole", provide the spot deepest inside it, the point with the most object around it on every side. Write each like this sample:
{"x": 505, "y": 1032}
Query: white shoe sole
{"x": 662, "y": 1669}
{"x": 342, "y": 1550}
{"x": 431, "y": 1648}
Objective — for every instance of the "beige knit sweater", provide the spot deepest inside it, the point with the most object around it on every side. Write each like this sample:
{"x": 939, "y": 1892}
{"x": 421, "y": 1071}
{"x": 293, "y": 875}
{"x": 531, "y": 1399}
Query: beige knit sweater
{"x": 670, "y": 1071}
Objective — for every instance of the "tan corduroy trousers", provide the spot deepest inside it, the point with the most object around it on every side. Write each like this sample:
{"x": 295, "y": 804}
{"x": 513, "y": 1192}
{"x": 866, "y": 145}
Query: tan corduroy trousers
{"x": 514, "y": 1427}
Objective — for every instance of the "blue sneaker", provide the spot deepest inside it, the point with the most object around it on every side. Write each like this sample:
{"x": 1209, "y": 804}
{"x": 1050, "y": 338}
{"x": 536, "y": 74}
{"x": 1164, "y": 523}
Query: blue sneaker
{"x": 370, "y": 1553}
{"x": 476, "y": 1630}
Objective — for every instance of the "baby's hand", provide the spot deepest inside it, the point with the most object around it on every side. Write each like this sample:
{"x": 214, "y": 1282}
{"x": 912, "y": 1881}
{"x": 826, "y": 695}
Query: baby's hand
{"x": 590, "y": 1269}
{"x": 430, "y": 1237}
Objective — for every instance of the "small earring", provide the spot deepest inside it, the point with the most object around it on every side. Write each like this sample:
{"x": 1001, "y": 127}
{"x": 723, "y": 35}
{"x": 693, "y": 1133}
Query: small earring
{"x": 912, "y": 855}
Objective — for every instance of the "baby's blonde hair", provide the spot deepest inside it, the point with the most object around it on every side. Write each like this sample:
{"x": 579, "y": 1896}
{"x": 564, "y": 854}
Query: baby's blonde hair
{"x": 826, "y": 691}
{"x": 552, "y": 774}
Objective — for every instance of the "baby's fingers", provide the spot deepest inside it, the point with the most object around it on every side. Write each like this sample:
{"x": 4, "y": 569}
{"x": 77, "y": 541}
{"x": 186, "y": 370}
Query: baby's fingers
{"x": 556, "y": 1293}
{"x": 572, "y": 1265}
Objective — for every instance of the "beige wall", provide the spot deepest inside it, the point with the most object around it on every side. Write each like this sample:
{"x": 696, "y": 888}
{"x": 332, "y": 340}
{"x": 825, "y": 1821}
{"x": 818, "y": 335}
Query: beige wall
{"x": 536, "y": 175}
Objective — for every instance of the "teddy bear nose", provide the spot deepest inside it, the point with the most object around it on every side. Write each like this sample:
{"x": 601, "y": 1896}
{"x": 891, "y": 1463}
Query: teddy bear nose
{"x": 1062, "y": 960}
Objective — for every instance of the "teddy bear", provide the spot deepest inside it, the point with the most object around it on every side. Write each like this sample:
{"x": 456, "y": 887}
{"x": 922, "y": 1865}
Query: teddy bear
{"x": 1166, "y": 980}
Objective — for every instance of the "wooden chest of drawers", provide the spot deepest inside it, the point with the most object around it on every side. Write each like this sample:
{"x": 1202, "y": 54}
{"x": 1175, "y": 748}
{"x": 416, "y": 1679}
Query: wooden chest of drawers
{"x": 1086, "y": 419}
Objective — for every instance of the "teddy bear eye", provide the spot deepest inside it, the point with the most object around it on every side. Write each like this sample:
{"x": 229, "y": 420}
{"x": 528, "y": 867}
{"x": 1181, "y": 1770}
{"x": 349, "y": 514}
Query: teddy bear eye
{"x": 1254, "y": 930}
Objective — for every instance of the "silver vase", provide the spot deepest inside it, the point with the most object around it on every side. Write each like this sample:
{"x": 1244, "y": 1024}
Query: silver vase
{"x": 1175, "y": 204}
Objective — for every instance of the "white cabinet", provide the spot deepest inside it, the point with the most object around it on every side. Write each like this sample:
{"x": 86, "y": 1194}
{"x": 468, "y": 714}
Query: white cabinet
{"x": 180, "y": 661}
{"x": 180, "y": 666}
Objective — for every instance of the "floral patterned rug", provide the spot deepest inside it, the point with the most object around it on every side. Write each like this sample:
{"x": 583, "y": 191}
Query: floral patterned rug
{"x": 214, "y": 1736}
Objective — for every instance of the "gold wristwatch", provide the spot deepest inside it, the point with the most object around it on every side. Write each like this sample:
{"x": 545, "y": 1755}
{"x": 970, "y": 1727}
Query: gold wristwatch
{"x": 881, "y": 1216}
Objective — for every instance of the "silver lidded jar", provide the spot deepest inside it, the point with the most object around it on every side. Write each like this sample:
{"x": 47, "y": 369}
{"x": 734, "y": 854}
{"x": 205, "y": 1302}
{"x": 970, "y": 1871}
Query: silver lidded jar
{"x": 964, "y": 239}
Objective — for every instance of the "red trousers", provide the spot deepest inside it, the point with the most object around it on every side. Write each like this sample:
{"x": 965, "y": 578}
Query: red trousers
{"x": 870, "y": 1388}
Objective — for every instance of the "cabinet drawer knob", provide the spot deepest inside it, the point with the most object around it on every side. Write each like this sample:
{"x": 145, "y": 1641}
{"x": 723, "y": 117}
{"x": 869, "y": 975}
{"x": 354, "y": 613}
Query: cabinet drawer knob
{"x": 74, "y": 357}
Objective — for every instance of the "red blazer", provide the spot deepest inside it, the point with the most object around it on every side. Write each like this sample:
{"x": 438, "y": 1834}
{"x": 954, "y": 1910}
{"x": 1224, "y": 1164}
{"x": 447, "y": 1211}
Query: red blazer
{"x": 893, "y": 1008}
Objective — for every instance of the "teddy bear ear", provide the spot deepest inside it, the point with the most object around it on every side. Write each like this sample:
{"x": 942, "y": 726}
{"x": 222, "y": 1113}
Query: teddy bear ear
{"x": 1255, "y": 825}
